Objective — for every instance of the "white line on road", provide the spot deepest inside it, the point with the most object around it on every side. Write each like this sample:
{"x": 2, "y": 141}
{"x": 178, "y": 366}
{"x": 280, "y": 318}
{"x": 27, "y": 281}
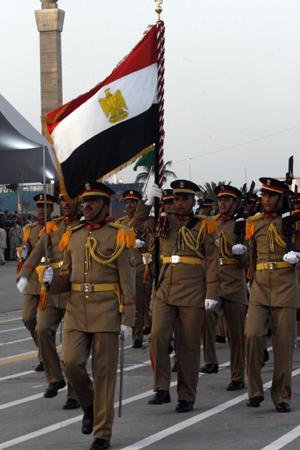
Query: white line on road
{"x": 284, "y": 440}
{"x": 13, "y": 329}
{"x": 16, "y": 342}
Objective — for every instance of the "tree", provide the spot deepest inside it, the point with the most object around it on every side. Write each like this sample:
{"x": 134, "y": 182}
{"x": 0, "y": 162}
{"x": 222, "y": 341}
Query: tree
{"x": 210, "y": 187}
{"x": 13, "y": 187}
{"x": 144, "y": 176}
{"x": 25, "y": 204}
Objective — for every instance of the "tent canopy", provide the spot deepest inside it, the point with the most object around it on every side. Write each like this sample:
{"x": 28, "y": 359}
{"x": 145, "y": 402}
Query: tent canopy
{"x": 21, "y": 149}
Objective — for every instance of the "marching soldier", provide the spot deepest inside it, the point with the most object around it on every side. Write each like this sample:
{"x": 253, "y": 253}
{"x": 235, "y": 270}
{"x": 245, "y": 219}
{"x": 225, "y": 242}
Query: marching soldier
{"x": 274, "y": 295}
{"x": 189, "y": 275}
{"x": 251, "y": 205}
{"x": 99, "y": 271}
{"x": 206, "y": 207}
{"x": 234, "y": 259}
{"x": 49, "y": 320}
{"x": 32, "y": 288}
{"x": 131, "y": 198}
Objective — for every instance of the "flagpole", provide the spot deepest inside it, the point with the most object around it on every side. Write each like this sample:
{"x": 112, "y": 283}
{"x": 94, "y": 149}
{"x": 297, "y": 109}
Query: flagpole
{"x": 159, "y": 149}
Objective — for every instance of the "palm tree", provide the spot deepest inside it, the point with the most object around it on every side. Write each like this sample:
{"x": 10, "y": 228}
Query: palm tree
{"x": 13, "y": 187}
{"x": 210, "y": 189}
{"x": 149, "y": 170}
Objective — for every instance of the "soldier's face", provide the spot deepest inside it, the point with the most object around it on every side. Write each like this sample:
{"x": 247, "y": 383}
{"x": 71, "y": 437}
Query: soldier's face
{"x": 271, "y": 201}
{"x": 131, "y": 205}
{"x": 183, "y": 204}
{"x": 40, "y": 211}
{"x": 92, "y": 206}
{"x": 69, "y": 209}
{"x": 205, "y": 210}
{"x": 169, "y": 205}
{"x": 297, "y": 205}
{"x": 226, "y": 204}
{"x": 250, "y": 207}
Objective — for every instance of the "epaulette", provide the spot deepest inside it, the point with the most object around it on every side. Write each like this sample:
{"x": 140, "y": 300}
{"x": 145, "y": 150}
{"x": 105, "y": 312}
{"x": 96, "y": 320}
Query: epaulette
{"x": 216, "y": 216}
{"x": 124, "y": 233}
{"x": 122, "y": 218}
{"x": 250, "y": 224}
{"x": 67, "y": 235}
{"x": 200, "y": 216}
{"x": 51, "y": 225}
{"x": 26, "y": 230}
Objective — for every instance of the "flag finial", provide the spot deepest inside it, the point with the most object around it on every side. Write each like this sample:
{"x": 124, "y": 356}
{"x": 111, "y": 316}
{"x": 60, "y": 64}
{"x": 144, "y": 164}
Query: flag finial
{"x": 158, "y": 8}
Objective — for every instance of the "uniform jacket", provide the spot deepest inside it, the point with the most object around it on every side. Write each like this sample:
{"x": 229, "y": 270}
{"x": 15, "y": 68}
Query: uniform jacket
{"x": 185, "y": 284}
{"x": 277, "y": 287}
{"x": 96, "y": 311}
{"x": 30, "y": 235}
{"x": 2, "y": 238}
{"x": 55, "y": 231}
{"x": 233, "y": 283}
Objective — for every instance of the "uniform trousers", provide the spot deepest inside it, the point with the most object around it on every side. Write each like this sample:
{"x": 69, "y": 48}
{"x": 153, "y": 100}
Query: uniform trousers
{"x": 234, "y": 319}
{"x": 190, "y": 322}
{"x": 29, "y": 319}
{"x": 2, "y": 257}
{"x": 283, "y": 322}
{"x": 137, "y": 330}
{"x": 77, "y": 346}
{"x": 47, "y": 323}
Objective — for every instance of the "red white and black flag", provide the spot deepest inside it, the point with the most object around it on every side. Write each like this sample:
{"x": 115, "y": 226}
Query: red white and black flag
{"x": 109, "y": 127}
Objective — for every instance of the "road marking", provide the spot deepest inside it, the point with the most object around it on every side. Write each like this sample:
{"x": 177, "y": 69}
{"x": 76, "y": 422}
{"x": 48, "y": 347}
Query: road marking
{"x": 10, "y": 320}
{"x": 284, "y": 440}
{"x": 17, "y": 375}
{"x": 21, "y": 357}
{"x": 13, "y": 329}
{"x": 16, "y": 342}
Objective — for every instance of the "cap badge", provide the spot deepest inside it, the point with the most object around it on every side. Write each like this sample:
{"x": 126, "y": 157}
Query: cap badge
{"x": 181, "y": 184}
{"x": 41, "y": 196}
{"x": 222, "y": 188}
{"x": 131, "y": 192}
{"x": 269, "y": 182}
{"x": 87, "y": 186}
{"x": 165, "y": 192}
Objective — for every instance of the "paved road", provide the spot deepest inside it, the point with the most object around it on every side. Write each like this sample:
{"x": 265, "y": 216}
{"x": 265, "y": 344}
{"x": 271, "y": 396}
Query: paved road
{"x": 220, "y": 419}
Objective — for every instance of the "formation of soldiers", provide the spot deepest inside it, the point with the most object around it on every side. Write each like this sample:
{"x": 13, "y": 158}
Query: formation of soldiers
{"x": 98, "y": 275}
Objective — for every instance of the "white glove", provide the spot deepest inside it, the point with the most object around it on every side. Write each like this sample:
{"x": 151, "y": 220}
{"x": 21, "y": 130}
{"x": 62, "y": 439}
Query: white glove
{"x": 149, "y": 259}
{"x": 125, "y": 329}
{"x": 139, "y": 243}
{"x": 48, "y": 275}
{"x": 155, "y": 191}
{"x": 291, "y": 257}
{"x": 239, "y": 249}
{"x": 24, "y": 253}
{"x": 210, "y": 304}
{"x": 22, "y": 284}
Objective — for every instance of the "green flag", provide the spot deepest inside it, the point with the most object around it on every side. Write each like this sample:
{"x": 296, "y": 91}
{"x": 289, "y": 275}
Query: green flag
{"x": 148, "y": 159}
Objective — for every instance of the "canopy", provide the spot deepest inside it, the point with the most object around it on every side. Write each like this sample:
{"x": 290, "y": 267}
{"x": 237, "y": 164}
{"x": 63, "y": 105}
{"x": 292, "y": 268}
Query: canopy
{"x": 21, "y": 149}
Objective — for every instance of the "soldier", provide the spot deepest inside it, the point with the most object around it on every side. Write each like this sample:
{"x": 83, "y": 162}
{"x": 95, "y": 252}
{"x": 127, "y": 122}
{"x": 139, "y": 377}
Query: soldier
{"x": 49, "y": 320}
{"x": 274, "y": 295}
{"x": 32, "y": 288}
{"x": 232, "y": 294}
{"x": 99, "y": 271}
{"x": 206, "y": 208}
{"x": 2, "y": 243}
{"x": 189, "y": 275}
{"x": 251, "y": 206}
{"x": 131, "y": 198}
{"x": 15, "y": 239}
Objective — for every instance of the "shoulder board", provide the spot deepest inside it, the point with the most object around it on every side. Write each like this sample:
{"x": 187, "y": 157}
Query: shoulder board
{"x": 201, "y": 217}
{"x": 26, "y": 230}
{"x": 122, "y": 218}
{"x": 67, "y": 235}
{"x": 250, "y": 225}
{"x": 125, "y": 235}
{"x": 216, "y": 216}
{"x": 51, "y": 225}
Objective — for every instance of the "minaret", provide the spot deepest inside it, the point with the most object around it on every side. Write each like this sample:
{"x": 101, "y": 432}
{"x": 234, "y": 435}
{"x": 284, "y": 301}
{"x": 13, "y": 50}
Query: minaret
{"x": 50, "y": 22}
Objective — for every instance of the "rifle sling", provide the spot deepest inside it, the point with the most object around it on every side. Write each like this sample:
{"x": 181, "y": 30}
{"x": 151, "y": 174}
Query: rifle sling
{"x": 191, "y": 223}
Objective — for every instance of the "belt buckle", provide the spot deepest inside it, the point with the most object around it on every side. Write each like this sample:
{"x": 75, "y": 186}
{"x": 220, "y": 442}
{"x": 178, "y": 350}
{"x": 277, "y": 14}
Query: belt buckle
{"x": 87, "y": 287}
{"x": 272, "y": 265}
{"x": 175, "y": 259}
{"x": 222, "y": 261}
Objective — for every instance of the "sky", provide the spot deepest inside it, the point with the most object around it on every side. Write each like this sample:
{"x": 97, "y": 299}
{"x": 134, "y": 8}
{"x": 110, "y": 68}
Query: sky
{"x": 232, "y": 86}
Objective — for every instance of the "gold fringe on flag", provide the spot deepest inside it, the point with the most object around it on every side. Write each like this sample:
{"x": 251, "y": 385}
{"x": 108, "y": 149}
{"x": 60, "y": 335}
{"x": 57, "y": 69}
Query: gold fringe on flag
{"x": 44, "y": 296}
{"x": 20, "y": 263}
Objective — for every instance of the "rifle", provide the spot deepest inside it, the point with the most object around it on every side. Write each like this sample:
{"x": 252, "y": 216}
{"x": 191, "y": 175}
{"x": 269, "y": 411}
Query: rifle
{"x": 288, "y": 221}
{"x": 240, "y": 224}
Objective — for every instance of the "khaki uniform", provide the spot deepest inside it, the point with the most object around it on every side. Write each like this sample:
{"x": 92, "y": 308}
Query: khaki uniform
{"x": 274, "y": 295}
{"x": 137, "y": 331}
{"x": 181, "y": 297}
{"x": 232, "y": 303}
{"x": 92, "y": 319}
{"x": 32, "y": 294}
{"x": 49, "y": 320}
{"x": 15, "y": 240}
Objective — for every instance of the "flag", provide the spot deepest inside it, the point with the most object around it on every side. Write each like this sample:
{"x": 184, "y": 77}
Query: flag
{"x": 109, "y": 127}
{"x": 148, "y": 159}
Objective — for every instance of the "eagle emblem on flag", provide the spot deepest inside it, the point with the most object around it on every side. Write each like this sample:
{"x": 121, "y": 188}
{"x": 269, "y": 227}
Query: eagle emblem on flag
{"x": 113, "y": 105}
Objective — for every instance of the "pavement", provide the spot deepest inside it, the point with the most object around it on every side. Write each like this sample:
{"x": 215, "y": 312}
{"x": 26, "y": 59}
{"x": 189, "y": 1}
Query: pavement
{"x": 220, "y": 419}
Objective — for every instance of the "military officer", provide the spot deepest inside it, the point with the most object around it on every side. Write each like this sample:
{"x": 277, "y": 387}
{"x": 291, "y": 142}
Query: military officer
{"x": 206, "y": 207}
{"x": 274, "y": 296}
{"x": 131, "y": 198}
{"x": 32, "y": 288}
{"x": 234, "y": 259}
{"x": 49, "y": 320}
{"x": 251, "y": 205}
{"x": 99, "y": 271}
{"x": 190, "y": 266}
